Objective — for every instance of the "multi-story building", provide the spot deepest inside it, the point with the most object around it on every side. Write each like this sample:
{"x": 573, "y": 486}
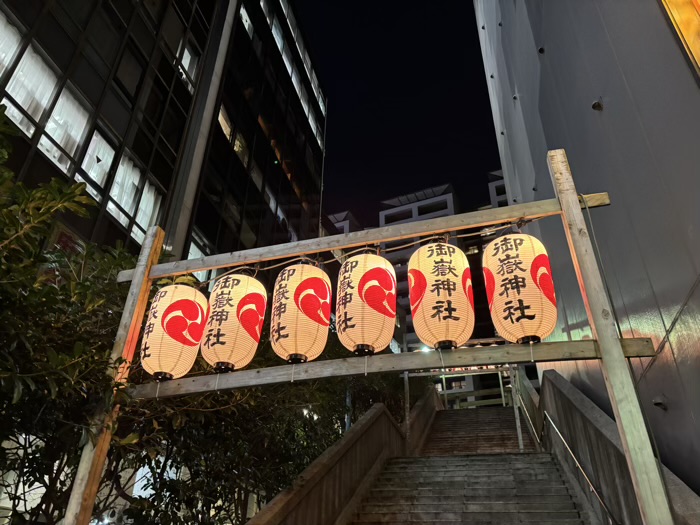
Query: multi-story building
{"x": 205, "y": 117}
{"x": 616, "y": 85}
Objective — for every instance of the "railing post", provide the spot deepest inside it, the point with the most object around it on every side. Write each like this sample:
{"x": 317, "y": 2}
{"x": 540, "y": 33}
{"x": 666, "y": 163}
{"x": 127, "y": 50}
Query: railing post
{"x": 643, "y": 466}
{"x": 514, "y": 390}
{"x": 406, "y": 409}
{"x": 92, "y": 460}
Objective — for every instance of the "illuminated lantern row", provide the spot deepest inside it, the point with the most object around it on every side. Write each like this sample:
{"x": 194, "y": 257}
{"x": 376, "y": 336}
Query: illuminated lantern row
{"x": 441, "y": 296}
{"x": 236, "y": 314}
{"x": 365, "y": 311}
{"x": 301, "y": 313}
{"x": 519, "y": 288}
{"x": 228, "y": 327}
{"x": 174, "y": 327}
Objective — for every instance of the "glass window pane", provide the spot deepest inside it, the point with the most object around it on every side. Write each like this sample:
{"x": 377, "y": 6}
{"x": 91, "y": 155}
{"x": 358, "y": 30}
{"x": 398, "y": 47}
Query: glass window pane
{"x": 296, "y": 81}
{"x": 66, "y": 126}
{"x": 241, "y": 148}
{"x": 97, "y": 160}
{"x": 225, "y": 123}
{"x": 195, "y": 253}
{"x": 149, "y": 206}
{"x": 125, "y": 190}
{"x": 9, "y": 42}
{"x": 246, "y": 21}
{"x": 287, "y": 57}
{"x": 266, "y": 10}
{"x": 31, "y": 85}
{"x": 277, "y": 33}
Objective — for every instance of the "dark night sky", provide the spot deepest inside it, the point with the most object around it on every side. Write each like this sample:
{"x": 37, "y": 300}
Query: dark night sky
{"x": 407, "y": 101}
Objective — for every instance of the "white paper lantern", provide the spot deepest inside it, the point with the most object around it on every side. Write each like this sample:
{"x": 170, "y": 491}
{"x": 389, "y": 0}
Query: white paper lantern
{"x": 520, "y": 289}
{"x": 440, "y": 291}
{"x": 301, "y": 313}
{"x": 173, "y": 331}
{"x": 365, "y": 309}
{"x": 236, "y": 315}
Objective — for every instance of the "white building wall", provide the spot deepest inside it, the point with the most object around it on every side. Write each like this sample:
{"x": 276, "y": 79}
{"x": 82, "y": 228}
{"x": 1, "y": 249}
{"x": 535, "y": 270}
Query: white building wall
{"x": 642, "y": 148}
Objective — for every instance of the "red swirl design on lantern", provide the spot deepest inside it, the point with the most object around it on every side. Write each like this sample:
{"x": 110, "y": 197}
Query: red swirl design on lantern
{"x": 417, "y": 285}
{"x": 490, "y": 283}
{"x": 251, "y": 314}
{"x": 541, "y": 272}
{"x": 184, "y": 321}
{"x": 377, "y": 288}
{"x": 313, "y": 298}
{"x": 467, "y": 285}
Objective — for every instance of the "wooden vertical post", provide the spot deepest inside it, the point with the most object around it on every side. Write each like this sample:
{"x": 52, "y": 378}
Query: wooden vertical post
{"x": 92, "y": 460}
{"x": 643, "y": 466}
{"x": 516, "y": 404}
{"x": 406, "y": 408}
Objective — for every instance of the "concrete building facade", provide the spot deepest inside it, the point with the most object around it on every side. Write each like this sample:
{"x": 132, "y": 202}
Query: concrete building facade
{"x": 612, "y": 84}
{"x": 204, "y": 117}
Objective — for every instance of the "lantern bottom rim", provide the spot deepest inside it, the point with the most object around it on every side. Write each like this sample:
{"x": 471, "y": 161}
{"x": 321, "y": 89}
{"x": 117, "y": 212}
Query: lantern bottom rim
{"x": 445, "y": 345}
{"x": 162, "y": 376}
{"x": 295, "y": 359}
{"x": 223, "y": 367}
{"x": 529, "y": 339}
{"x": 362, "y": 350}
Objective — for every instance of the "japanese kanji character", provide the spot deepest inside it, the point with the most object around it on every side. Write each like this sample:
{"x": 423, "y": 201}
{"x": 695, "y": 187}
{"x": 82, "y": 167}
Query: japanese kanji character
{"x": 278, "y": 309}
{"x": 218, "y": 316}
{"x": 509, "y": 264}
{"x": 214, "y": 338}
{"x": 286, "y": 274}
{"x": 344, "y": 299}
{"x": 145, "y": 351}
{"x": 443, "y": 268}
{"x": 282, "y": 293}
{"x": 148, "y": 330}
{"x": 277, "y": 332}
{"x": 516, "y": 313}
{"x": 345, "y": 323}
{"x": 440, "y": 249}
{"x": 444, "y": 310}
{"x": 222, "y": 300}
{"x": 158, "y": 296}
{"x": 443, "y": 285}
{"x": 507, "y": 244}
{"x": 514, "y": 283}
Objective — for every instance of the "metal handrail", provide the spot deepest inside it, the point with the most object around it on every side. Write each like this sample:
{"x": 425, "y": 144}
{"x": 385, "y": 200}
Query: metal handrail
{"x": 611, "y": 519}
{"x": 529, "y": 419}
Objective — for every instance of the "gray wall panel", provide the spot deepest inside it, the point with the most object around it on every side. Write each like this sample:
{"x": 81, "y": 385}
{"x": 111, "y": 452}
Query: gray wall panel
{"x": 643, "y": 148}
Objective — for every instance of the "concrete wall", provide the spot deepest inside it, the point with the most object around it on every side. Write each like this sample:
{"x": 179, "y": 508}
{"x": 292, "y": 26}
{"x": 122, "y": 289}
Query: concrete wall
{"x": 550, "y": 61}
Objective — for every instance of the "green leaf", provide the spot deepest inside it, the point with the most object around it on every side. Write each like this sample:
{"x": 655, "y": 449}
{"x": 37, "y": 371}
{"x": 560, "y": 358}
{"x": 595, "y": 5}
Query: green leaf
{"x": 131, "y": 439}
{"x": 17, "y": 395}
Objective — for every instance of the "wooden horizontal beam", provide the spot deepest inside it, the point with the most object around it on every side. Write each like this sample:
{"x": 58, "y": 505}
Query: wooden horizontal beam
{"x": 384, "y": 363}
{"x": 396, "y": 232}
{"x": 465, "y": 392}
{"x": 438, "y": 373}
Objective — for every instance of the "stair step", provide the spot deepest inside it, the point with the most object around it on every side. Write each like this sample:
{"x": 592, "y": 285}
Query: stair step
{"x": 488, "y": 517}
{"x": 486, "y": 499}
{"x": 494, "y": 506}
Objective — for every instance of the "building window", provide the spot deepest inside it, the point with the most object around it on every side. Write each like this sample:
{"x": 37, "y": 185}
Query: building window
{"x": 241, "y": 148}
{"x": 195, "y": 252}
{"x": 9, "y": 43}
{"x": 31, "y": 86}
{"x": 246, "y": 21}
{"x": 125, "y": 191}
{"x": 147, "y": 214}
{"x": 66, "y": 127}
{"x": 277, "y": 33}
{"x": 266, "y": 9}
{"x": 96, "y": 165}
{"x": 225, "y": 123}
{"x": 189, "y": 59}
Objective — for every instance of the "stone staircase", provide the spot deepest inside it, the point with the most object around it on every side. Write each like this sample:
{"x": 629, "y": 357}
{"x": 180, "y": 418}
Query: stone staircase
{"x": 476, "y": 484}
{"x": 486, "y": 430}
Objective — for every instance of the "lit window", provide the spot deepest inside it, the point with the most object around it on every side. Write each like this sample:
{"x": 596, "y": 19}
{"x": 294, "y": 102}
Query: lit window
{"x": 257, "y": 176}
{"x": 66, "y": 126}
{"x": 9, "y": 42}
{"x": 296, "y": 81}
{"x": 32, "y": 86}
{"x": 287, "y": 57}
{"x": 277, "y": 33}
{"x": 96, "y": 163}
{"x": 266, "y": 9}
{"x": 147, "y": 214}
{"x": 195, "y": 252}
{"x": 246, "y": 21}
{"x": 125, "y": 190}
{"x": 304, "y": 100}
{"x": 241, "y": 148}
{"x": 188, "y": 63}
{"x": 292, "y": 23}
{"x": 285, "y": 6}
{"x": 225, "y": 123}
